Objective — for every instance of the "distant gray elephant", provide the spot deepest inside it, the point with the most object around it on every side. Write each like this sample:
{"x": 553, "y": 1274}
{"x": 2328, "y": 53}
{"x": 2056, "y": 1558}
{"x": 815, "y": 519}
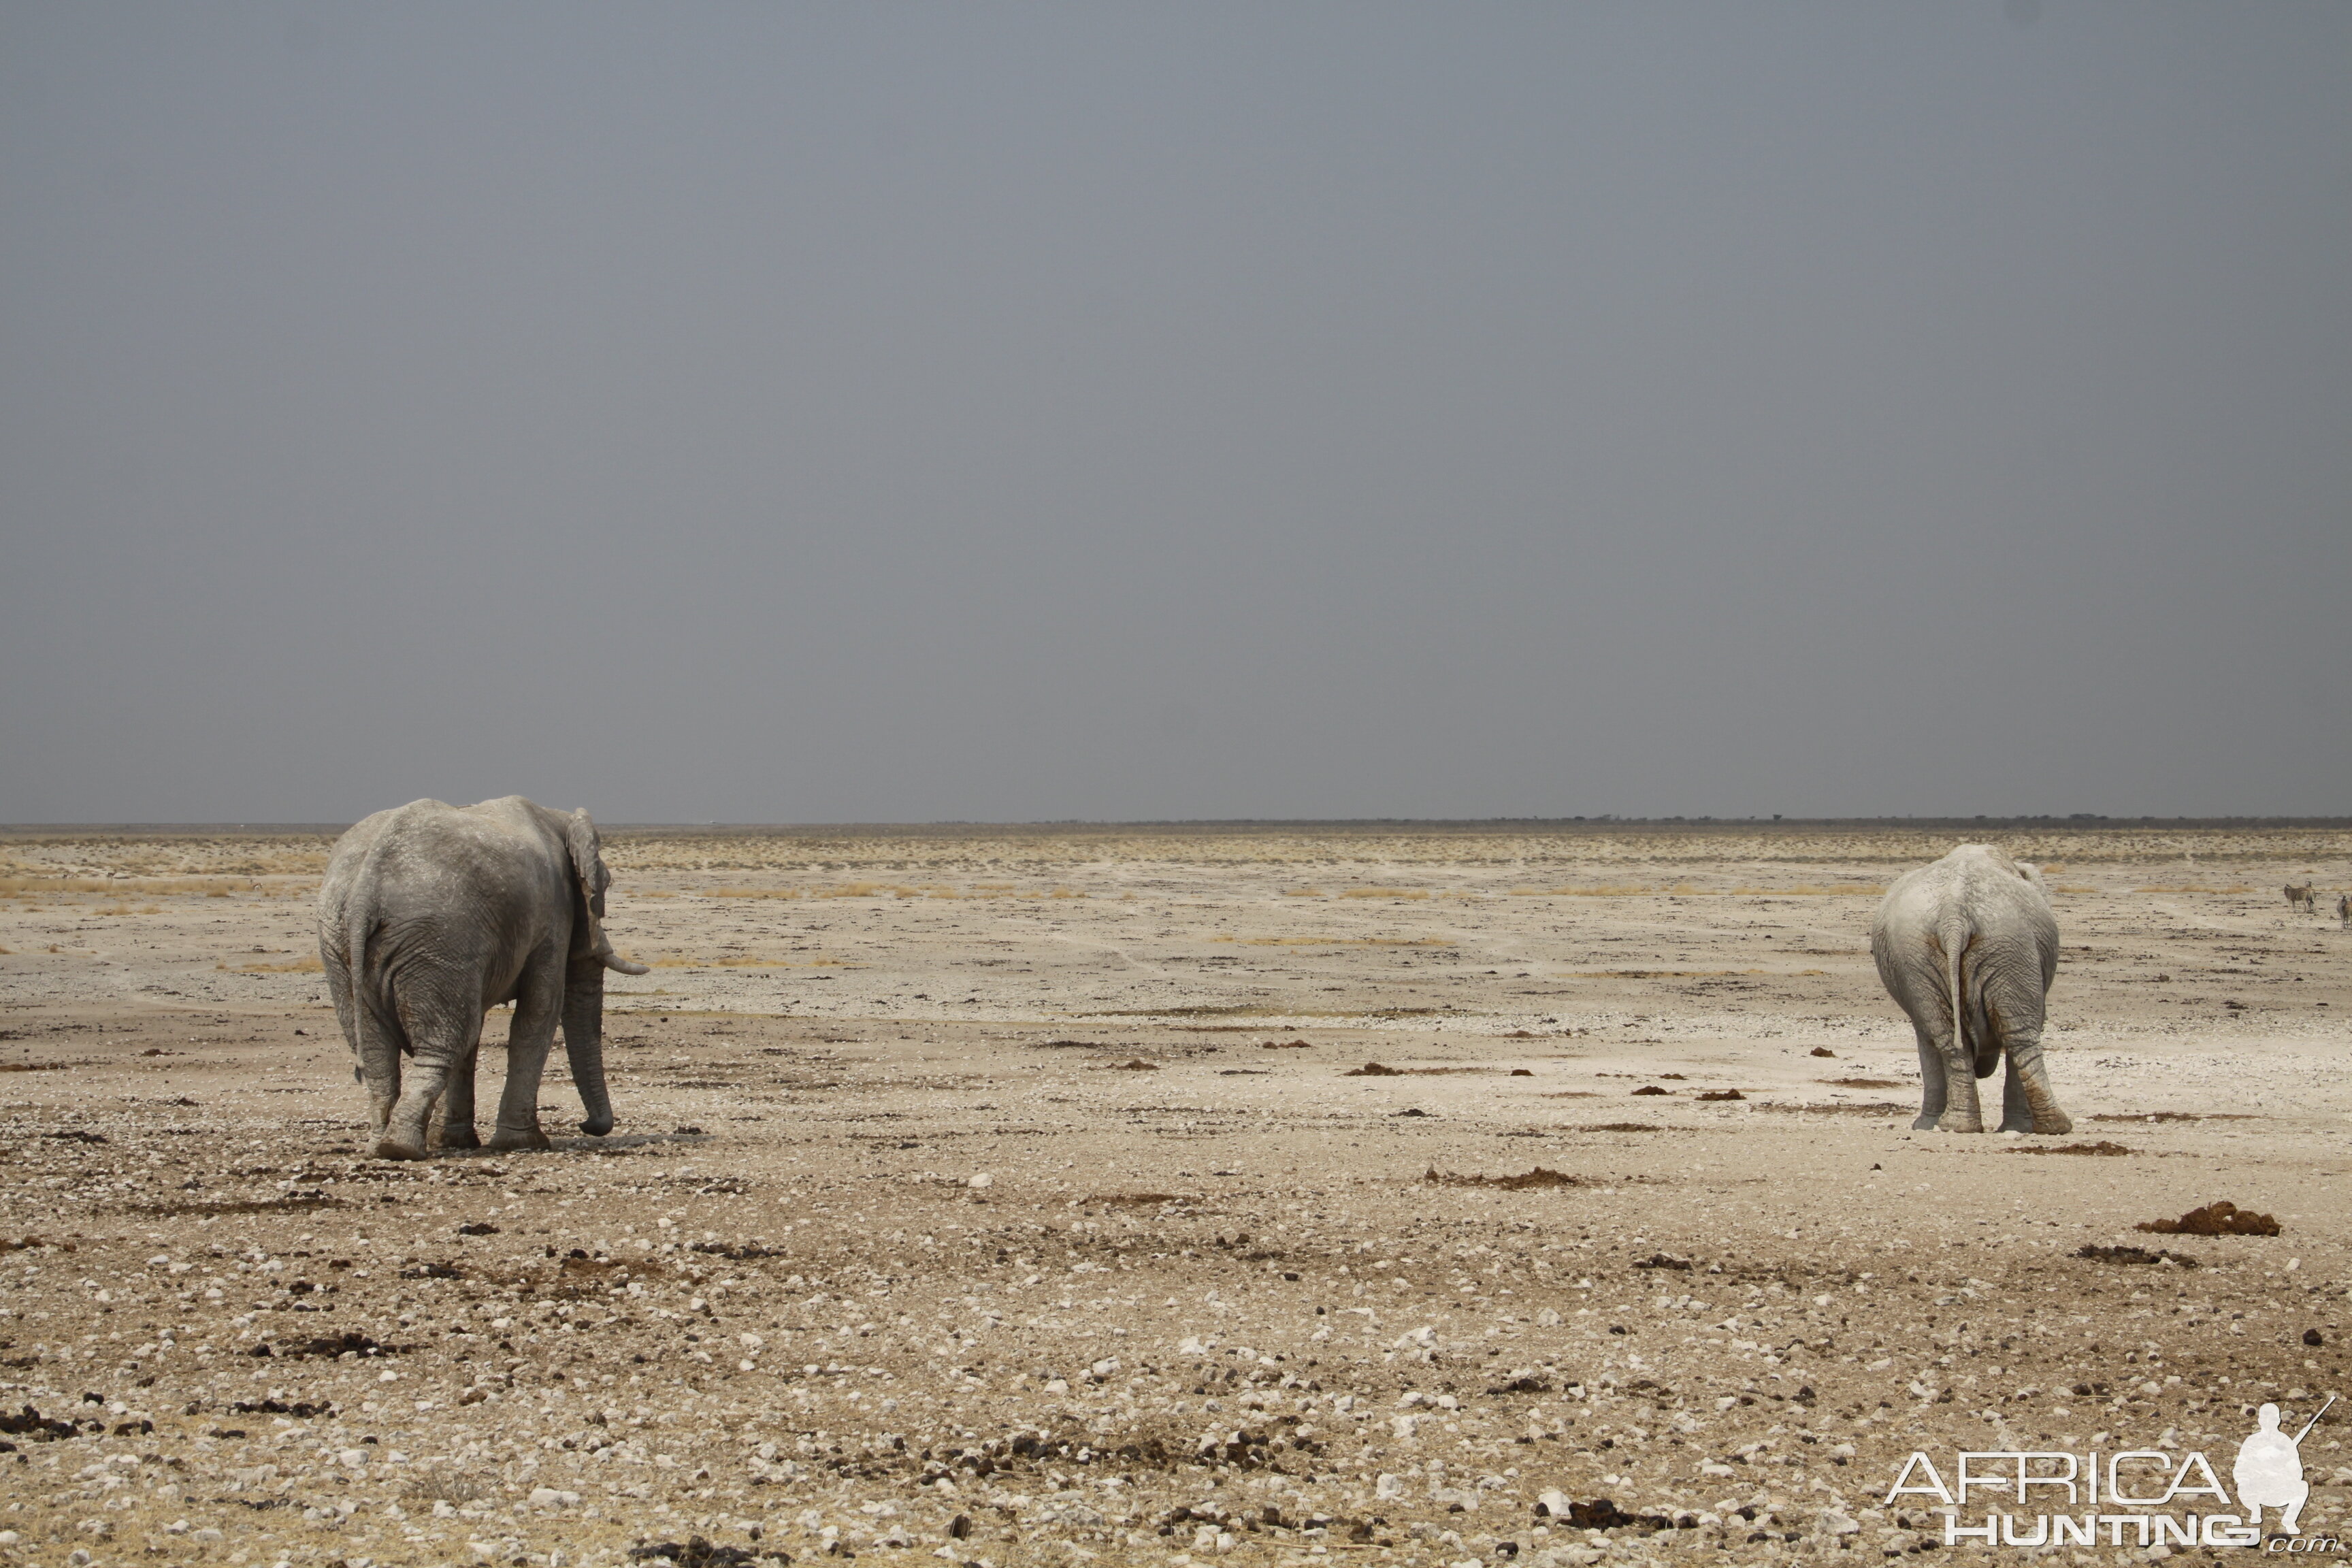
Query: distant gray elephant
{"x": 1968, "y": 947}
{"x": 431, "y": 915}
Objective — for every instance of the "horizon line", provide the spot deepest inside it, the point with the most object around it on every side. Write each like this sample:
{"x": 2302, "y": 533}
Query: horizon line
{"x": 1608, "y": 822}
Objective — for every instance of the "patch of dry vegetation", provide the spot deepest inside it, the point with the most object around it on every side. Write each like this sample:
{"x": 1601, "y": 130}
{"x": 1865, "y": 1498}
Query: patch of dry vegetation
{"x": 1540, "y": 1176}
{"x": 1335, "y": 941}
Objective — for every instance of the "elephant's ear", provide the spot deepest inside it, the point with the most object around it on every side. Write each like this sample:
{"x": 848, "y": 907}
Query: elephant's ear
{"x": 587, "y": 862}
{"x": 591, "y": 877}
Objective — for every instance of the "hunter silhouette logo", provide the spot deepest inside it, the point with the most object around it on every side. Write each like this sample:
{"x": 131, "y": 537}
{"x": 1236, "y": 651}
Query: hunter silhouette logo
{"x": 2156, "y": 1486}
{"x": 2269, "y": 1471}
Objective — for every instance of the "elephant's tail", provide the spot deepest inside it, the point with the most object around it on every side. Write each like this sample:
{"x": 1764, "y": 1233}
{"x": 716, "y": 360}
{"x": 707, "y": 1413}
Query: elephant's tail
{"x": 371, "y": 993}
{"x": 1955, "y": 936}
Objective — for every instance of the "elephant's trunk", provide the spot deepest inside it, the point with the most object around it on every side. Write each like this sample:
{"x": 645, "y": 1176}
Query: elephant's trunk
{"x": 583, "y": 1040}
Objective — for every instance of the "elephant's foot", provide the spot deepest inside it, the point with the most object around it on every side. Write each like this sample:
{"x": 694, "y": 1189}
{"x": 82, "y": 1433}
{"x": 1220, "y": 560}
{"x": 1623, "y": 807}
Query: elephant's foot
{"x": 597, "y": 1127}
{"x": 511, "y": 1138}
{"x": 1927, "y": 1121}
{"x": 460, "y": 1137}
{"x": 2057, "y": 1122}
{"x": 390, "y": 1148}
{"x": 1960, "y": 1121}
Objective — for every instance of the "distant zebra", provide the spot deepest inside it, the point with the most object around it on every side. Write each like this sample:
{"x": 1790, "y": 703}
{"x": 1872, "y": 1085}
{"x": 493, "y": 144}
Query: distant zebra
{"x": 2299, "y": 896}
{"x": 2344, "y": 910}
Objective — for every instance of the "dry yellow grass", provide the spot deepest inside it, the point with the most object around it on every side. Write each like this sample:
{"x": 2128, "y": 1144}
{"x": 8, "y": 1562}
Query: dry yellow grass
{"x": 310, "y": 966}
{"x": 144, "y": 886}
{"x": 1336, "y": 940}
{"x": 753, "y": 892}
{"x": 879, "y": 891}
{"x": 1302, "y": 892}
{"x": 746, "y": 961}
{"x": 1667, "y": 974}
{"x": 2189, "y": 888}
{"x": 1384, "y": 892}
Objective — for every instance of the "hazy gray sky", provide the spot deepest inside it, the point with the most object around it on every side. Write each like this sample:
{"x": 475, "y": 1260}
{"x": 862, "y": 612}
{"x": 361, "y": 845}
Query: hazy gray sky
{"x": 894, "y": 411}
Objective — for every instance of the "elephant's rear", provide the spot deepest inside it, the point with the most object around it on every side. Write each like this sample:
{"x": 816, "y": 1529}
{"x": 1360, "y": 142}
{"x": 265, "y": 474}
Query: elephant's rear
{"x": 1969, "y": 946}
{"x": 1973, "y": 926}
{"x": 391, "y": 956}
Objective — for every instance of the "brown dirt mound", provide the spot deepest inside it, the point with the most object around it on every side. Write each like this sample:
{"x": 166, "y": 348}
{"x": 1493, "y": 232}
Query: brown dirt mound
{"x": 2101, "y": 1147}
{"x": 292, "y": 1203}
{"x": 738, "y": 1252}
{"x": 1824, "y": 1051}
{"x": 1651, "y": 1088}
{"x": 1286, "y": 1046}
{"x": 1601, "y": 1514}
{"x": 699, "y": 1552}
{"x": 2177, "y": 1116}
{"x": 1723, "y": 1094}
{"x": 2134, "y": 1255}
{"x": 1538, "y": 1177}
{"x": 1623, "y": 1127}
{"x": 328, "y": 1347}
{"x": 1373, "y": 1069}
{"x": 1865, "y": 1082}
{"x": 2222, "y": 1218}
{"x": 1135, "y": 1200}
{"x": 1136, "y": 1065}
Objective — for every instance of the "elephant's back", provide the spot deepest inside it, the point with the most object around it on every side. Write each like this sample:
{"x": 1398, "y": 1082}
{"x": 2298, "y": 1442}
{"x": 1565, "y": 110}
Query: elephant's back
{"x": 1976, "y": 892}
{"x": 431, "y": 855}
{"x": 349, "y": 863}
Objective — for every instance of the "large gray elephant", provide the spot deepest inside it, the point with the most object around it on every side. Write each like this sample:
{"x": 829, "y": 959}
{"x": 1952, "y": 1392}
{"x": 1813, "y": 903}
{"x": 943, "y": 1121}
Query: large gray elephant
{"x": 1968, "y": 947}
{"x": 431, "y": 915}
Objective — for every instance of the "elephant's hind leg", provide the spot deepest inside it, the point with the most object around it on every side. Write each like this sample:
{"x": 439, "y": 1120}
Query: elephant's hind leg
{"x": 377, "y": 1047}
{"x": 529, "y": 1038}
{"x": 457, "y": 1103}
{"x": 2028, "y": 1104}
{"x": 441, "y": 1025}
{"x": 1931, "y": 1081}
{"x": 1962, "y": 1110}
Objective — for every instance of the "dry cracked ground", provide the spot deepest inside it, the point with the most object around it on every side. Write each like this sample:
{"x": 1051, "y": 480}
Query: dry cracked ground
{"x": 1075, "y": 1196}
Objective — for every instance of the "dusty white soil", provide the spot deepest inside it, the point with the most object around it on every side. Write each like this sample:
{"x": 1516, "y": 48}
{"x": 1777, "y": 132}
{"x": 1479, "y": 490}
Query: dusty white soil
{"x": 988, "y": 1179}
